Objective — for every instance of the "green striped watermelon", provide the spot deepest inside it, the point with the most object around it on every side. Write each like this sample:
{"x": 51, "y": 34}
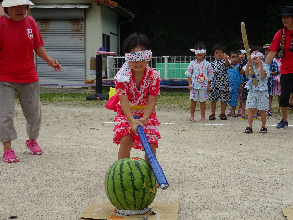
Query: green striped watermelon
{"x": 130, "y": 184}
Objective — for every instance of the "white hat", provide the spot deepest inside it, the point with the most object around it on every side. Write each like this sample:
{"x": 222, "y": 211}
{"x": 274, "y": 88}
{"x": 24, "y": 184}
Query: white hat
{"x": 10, "y": 3}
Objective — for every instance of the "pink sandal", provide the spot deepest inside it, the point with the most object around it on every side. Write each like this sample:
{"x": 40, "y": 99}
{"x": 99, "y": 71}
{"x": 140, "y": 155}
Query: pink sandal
{"x": 190, "y": 120}
{"x": 203, "y": 119}
{"x": 10, "y": 157}
{"x": 33, "y": 147}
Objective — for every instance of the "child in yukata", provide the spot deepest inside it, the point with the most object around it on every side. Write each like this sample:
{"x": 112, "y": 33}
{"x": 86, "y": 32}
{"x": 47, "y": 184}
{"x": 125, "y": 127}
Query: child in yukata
{"x": 273, "y": 72}
{"x": 220, "y": 85}
{"x": 199, "y": 74}
{"x": 258, "y": 96}
{"x": 235, "y": 80}
{"x": 277, "y": 84}
{"x": 137, "y": 87}
{"x": 244, "y": 93}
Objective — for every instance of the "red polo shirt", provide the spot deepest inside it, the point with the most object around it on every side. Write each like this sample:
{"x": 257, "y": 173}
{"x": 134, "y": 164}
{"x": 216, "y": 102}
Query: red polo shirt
{"x": 17, "y": 41}
{"x": 287, "y": 60}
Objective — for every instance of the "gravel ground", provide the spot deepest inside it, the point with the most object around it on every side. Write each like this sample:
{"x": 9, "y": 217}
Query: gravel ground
{"x": 215, "y": 171}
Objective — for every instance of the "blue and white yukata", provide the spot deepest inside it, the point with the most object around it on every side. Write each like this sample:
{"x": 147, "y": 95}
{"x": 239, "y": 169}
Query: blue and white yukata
{"x": 273, "y": 68}
{"x": 200, "y": 74}
{"x": 258, "y": 97}
{"x": 235, "y": 80}
{"x": 245, "y": 79}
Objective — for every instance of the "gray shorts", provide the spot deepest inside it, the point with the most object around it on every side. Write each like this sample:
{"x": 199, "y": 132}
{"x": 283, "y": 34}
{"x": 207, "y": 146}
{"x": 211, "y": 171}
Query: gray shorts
{"x": 29, "y": 99}
{"x": 258, "y": 100}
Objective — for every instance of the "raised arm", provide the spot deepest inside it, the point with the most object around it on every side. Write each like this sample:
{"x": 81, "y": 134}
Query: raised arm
{"x": 270, "y": 57}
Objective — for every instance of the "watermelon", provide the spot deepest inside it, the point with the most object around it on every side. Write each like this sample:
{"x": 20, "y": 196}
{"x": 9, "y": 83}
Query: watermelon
{"x": 130, "y": 184}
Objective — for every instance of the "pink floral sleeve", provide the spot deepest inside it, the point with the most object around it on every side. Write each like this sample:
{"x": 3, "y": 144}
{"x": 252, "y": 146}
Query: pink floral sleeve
{"x": 121, "y": 88}
{"x": 155, "y": 81}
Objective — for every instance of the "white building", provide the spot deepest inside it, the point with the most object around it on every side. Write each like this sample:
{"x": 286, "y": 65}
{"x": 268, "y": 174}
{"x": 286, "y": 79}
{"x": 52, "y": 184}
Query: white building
{"x": 73, "y": 31}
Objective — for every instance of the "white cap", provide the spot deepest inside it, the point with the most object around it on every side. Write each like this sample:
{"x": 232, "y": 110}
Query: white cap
{"x": 10, "y": 3}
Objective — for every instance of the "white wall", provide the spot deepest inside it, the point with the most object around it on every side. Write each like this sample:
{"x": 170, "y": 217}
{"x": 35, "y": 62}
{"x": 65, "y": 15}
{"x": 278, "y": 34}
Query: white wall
{"x": 95, "y": 26}
{"x": 109, "y": 25}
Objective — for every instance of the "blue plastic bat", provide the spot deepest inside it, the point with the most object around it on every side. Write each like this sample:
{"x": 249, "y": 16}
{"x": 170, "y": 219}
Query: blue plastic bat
{"x": 159, "y": 174}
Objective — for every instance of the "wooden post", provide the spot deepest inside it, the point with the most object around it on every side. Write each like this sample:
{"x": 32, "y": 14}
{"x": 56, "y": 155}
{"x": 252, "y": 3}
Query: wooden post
{"x": 246, "y": 46}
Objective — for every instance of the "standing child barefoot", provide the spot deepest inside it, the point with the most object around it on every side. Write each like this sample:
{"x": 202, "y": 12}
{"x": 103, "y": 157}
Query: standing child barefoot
{"x": 137, "y": 87}
{"x": 199, "y": 76}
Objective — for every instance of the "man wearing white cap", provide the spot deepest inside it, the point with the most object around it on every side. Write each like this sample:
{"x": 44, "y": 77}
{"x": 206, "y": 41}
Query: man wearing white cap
{"x": 19, "y": 38}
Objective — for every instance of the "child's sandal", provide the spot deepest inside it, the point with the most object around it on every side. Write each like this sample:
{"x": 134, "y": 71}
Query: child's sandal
{"x": 263, "y": 130}
{"x": 212, "y": 117}
{"x": 234, "y": 114}
{"x": 242, "y": 118}
{"x": 223, "y": 117}
{"x": 203, "y": 119}
{"x": 255, "y": 117}
{"x": 190, "y": 120}
{"x": 248, "y": 130}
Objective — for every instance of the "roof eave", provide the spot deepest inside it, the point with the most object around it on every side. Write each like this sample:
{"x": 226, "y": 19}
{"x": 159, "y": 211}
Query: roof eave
{"x": 114, "y": 6}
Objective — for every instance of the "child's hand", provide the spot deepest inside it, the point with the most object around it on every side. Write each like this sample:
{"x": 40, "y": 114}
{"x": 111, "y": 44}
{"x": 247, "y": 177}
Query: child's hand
{"x": 135, "y": 123}
{"x": 215, "y": 73}
{"x": 142, "y": 121}
{"x": 208, "y": 89}
{"x": 259, "y": 61}
{"x": 190, "y": 87}
{"x": 226, "y": 57}
{"x": 249, "y": 64}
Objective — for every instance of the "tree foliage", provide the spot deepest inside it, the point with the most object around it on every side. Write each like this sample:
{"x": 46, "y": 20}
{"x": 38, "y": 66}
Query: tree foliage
{"x": 176, "y": 26}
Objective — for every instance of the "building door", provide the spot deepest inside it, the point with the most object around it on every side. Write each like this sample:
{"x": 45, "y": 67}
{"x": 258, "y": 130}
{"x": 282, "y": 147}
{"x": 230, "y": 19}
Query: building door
{"x": 64, "y": 41}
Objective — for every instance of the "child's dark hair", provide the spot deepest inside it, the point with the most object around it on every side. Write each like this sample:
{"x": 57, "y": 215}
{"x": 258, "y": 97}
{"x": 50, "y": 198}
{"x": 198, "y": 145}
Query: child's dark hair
{"x": 200, "y": 46}
{"x": 136, "y": 40}
{"x": 234, "y": 52}
{"x": 244, "y": 54}
{"x": 218, "y": 47}
{"x": 256, "y": 48}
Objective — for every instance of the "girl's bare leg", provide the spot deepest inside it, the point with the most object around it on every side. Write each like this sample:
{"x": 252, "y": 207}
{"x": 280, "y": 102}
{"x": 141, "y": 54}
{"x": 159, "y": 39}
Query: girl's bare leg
{"x": 192, "y": 108}
{"x": 243, "y": 108}
{"x": 263, "y": 118}
{"x": 270, "y": 102}
{"x": 234, "y": 109}
{"x": 213, "y": 107}
{"x": 250, "y": 116}
{"x": 223, "y": 107}
{"x": 125, "y": 147}
{"x": 203, "y": 109}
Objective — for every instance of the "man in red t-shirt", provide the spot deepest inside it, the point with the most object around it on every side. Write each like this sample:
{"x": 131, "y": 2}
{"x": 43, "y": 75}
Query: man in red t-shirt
{"x": 19, "y": 38}
{"x": 283, "y": 44}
